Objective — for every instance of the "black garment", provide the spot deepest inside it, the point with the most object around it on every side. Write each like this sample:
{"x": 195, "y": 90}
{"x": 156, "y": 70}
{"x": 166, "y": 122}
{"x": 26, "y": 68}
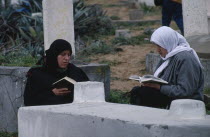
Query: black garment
{"x": 146, "y": 96}
{"x": 52, "y": 53}
{"x": 38, "y": 90}
{"x": 172, "y": 10}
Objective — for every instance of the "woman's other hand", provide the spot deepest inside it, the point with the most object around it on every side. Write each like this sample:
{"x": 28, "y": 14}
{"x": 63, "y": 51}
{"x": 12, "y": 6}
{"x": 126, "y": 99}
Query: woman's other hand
{"x": 152, "y": 85}
{"x": 61, "y": 91}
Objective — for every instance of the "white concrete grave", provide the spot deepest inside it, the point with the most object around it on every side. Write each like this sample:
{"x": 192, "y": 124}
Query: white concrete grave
{"x": 195, "y": 17}
{"x": 58, "y": 21}
{"x": 90, "y": 116}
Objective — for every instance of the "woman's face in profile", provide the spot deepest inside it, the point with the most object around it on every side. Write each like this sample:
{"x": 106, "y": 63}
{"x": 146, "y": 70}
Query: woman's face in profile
{"x": 163, "y": 52}
{"x": 64, "y": 58}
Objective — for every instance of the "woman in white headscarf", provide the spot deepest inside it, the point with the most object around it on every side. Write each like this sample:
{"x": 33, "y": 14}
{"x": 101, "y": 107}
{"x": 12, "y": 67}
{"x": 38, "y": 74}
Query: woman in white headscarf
{"x": 180, "y": 66}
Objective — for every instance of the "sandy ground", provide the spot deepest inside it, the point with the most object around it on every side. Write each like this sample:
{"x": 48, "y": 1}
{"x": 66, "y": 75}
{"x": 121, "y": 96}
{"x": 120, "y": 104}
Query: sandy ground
{"x": 131, "y": 61}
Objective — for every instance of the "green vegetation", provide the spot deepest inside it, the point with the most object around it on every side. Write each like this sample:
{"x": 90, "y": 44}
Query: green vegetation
{"x": 97, "y": 47}
{"x": 207, "y": 91}
{"x": 6, "y": 134}
{"x": 137, "y": 40}
{"x": 119, "y": 97}
{"x": 110, "y": 63}
{"x": 114, "y": 17}
{"x": 150, "y": 10}
{"x": 20, "y": 31}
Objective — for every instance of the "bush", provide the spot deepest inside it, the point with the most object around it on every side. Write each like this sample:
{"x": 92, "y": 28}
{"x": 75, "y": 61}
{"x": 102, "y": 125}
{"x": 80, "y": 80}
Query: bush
{"x": 119, "y": 97}
{"x": 6, "y": 134}
{"x": 97, "y": 47}
{"x": 19, "y": 30}
{"x": 137, "y": 40}
{"x": 90, "y": 20}
{"x": 115, "y": 18}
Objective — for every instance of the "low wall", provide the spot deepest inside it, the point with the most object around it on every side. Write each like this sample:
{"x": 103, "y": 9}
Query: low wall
{"x": 12, "y": 84}
{"x": 152, "y": 60}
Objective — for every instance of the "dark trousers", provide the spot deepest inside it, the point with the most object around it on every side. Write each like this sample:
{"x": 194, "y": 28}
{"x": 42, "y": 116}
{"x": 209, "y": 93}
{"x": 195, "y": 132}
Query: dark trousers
{"x": 150, "y": 97}
{"x": 172, "y": 10}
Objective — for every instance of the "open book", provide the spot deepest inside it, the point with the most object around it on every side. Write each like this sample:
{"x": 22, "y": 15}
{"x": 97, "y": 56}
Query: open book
{"x": 65, "y": 82}
{"x": 148, "y": 79}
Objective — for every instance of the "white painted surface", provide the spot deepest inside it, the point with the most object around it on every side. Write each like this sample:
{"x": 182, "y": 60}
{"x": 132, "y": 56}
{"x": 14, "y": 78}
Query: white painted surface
{"x": 187, "y": 109}
{"x": 89, "y": 92}
{"x": 195, "y": 17}
{"x": 58, "y": 21}
{"x": 101, "y": 119}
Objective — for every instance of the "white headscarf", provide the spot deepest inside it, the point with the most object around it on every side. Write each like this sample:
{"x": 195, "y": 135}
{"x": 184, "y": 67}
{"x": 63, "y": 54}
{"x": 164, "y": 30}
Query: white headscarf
{"x": 173, "y": 42}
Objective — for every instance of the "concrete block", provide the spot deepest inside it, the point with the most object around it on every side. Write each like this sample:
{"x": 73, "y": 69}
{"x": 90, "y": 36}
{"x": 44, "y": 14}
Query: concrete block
{"x": 89, "y": 92}
{"x": 152, "y": 60}
{"x": 195, "y": 17}
{"x": 124, "y": 33}
{"x": 100, "y": 73}
{"x": 58, "y": 21}
{"x": 187, "y": 109}
{"x": 12, "y": 83}
{"x": 136, "y": 14}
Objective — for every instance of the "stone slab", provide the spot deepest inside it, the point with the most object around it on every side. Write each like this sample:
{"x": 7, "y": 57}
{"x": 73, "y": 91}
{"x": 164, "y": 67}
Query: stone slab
{"x": 124, "y": 33}
{"x": 187, "y": 109}
{"x": 195, "y": 17}
{"x": 91, "y": 116}
{"x": 89, "y": 92}
{"x": 106, "y": 120}
{"x": 58, "y": 21}
{"x": 200, "y": 44}
{"x": 136, "y": 14}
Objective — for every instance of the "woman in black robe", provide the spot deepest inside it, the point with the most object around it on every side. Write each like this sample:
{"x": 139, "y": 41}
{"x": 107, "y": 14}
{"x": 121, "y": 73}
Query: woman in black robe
{"x": 39, "y": 89}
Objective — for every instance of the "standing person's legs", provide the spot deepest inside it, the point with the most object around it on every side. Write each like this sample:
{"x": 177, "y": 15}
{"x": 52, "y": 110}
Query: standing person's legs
{"x": 178, "y": 17}
{"x": 145, "y": 96}
{"x": 167, "y": 13}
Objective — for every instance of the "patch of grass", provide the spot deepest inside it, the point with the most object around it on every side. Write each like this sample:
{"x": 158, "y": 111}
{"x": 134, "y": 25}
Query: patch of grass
{"x": 23, "y": 61}
{"x": 117, "y": 96}
{"x": 6, "y": 134}
{"x": 112, "y": 5}
{"x": 110, "y": 63}
{"x": 208, "y": 112}
{"x": 97, "y": 47}
{"x": 137, "y": 25}
{"x": 114, "y": 17}
{"x": 207, "y": 91}
{"x": 137, "y": 40}
{"x": 150, "y": 10}
{"x": 146, "y": 8}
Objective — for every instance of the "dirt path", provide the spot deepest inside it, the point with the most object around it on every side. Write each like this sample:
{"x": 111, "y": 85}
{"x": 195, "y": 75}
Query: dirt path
{"x": 131, "y": 60}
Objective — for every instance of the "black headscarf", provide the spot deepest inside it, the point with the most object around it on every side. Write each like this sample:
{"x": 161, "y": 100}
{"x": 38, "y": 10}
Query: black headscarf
{"x": 52, "y": 53}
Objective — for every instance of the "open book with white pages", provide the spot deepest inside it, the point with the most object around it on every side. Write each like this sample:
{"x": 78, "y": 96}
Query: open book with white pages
{"x": 148, "y": 79}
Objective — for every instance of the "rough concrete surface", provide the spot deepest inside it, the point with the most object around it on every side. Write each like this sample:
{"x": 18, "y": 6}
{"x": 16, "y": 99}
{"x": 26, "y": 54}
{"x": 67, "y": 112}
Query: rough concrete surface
{"x": 96, "y": 118}
{"x": 106, "y": 120}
